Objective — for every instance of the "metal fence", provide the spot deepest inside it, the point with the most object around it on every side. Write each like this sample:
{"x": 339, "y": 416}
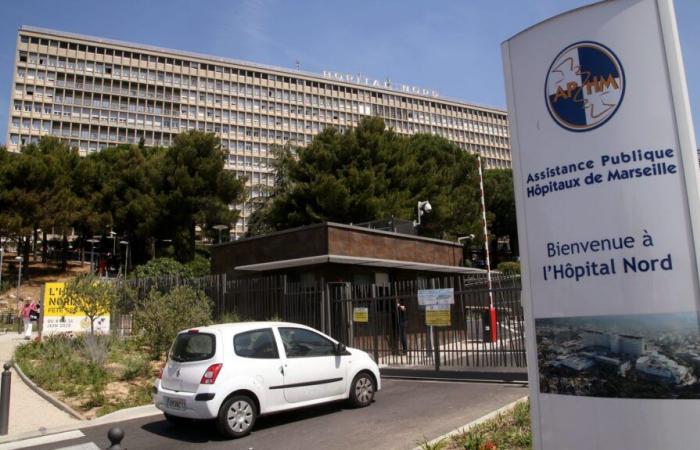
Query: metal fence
{"x": 329, "y": 307}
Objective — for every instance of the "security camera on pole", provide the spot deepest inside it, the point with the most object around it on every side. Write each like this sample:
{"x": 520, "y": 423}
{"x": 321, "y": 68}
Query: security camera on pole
{"x": 424, "y": 207}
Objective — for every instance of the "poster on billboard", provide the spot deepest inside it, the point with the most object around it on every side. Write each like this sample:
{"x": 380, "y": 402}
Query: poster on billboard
{"x": 57, "y": 318}
{"x": 608, "y": 205}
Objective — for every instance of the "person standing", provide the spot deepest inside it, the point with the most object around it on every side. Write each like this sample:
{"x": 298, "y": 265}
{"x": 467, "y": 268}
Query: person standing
{"x": 29, "y": 312}
{"x": 403, "y": 323}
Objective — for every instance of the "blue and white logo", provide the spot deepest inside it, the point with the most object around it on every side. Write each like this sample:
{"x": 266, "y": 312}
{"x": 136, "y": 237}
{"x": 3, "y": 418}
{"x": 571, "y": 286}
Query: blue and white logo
{"x": 585, "y": 86}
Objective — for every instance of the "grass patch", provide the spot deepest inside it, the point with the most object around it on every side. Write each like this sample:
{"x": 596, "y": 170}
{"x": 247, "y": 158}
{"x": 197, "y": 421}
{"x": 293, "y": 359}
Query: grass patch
{"x": 94, "y": 375}
{"x": 507, "y": 431}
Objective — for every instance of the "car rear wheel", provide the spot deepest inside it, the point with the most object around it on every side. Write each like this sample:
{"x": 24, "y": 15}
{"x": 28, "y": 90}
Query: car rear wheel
{"x": 362, "y": 390}
{"x": 236, "y": 416}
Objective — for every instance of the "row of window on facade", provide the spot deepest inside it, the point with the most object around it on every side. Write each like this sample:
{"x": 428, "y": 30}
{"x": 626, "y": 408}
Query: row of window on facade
{"x": 90, "y": 67}
{"x": 226, "y": 120}
{"x": 284, "y": 128}
{"x": 224, "y": 101}
{"x": 90, "y": 51}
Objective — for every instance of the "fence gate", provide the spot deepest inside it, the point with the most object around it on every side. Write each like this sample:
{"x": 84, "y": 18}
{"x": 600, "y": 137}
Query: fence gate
{"x": 367, "y": 317}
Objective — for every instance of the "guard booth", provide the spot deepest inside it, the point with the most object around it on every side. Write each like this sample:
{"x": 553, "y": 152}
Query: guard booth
{"x": 346, "y": 281}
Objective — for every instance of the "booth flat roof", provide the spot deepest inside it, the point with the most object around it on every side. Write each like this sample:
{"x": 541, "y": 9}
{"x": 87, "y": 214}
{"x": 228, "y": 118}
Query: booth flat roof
{"x": 358, "y": 261}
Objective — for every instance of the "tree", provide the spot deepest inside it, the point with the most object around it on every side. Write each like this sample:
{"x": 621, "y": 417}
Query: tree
{"x": 37, "y": 191}
{"x": 370, "y": 173}
{"x": 194, "y": 189}
{"x": 60, "y": 205}
{"x": 125, "y": 194}
{"x": 87, "y": 295}
{"x": 500, "y": 201}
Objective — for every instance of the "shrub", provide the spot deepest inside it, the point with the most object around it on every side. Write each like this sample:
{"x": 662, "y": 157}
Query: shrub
{"x": 198, "y": 267}
{"x": 159, "y": 317}
{"x": 134, "y": 367}
{"x": 509, "y": 267}
{"x": 96, "y": 348}
{"x": 439, "y": 445}
{"x": 230, "y": 317}
{"x": 160, "y": 267}
{"x": 509, "y": 430}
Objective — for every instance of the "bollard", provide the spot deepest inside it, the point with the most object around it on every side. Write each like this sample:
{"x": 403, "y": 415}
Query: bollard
{"x": 115, "y": 436}
{"x": 5, "y": 399}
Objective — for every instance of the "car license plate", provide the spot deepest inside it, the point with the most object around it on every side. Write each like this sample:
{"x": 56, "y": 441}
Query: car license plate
{"x": 175, "y": 403}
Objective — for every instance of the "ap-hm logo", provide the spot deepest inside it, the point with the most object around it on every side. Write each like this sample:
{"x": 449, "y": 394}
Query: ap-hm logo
{"x": 585, "y": 86}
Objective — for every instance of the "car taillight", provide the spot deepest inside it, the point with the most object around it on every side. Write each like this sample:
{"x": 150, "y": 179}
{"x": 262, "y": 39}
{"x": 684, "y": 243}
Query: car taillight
{"x": 159, "y": 374}
{"x": 211, "y": 373}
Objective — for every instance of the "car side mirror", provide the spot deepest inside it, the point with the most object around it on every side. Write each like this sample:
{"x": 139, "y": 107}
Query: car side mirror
{"x": 339, "y": 348}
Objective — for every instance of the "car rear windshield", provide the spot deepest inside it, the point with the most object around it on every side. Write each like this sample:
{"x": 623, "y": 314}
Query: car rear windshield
{"x": 193, "y": 347}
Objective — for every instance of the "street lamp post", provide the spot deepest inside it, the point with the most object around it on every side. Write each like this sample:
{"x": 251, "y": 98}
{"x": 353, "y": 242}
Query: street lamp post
{"x": 461, "y": 240}
{"x": 92, "y": 253}
{"x": 113, "y": 235}
{"x": 219, "y": 228}
{"x": 2, "y": 253}
{"x": 19, "y": 274}
{"x": 126, "y": 257}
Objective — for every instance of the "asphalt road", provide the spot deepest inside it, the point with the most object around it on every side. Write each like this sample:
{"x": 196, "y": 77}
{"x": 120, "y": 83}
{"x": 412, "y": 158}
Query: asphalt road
{"x": 404, "y": 413}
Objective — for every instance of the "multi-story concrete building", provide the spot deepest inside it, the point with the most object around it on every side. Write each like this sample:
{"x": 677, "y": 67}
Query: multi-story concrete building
{"x": 96, "y": 92}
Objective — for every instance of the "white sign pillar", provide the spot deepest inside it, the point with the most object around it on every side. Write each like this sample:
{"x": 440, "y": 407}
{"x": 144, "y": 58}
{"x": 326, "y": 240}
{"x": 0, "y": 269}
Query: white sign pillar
{"x": 608, "y": 206}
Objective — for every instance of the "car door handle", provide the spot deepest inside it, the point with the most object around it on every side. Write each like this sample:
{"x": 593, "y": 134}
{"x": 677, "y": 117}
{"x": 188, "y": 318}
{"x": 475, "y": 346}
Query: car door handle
{"x": 282, "y": 370}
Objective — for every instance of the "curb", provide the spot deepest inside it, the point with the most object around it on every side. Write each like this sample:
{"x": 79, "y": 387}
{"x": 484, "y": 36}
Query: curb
{"x": 46, "y": 396}
{"x": 472, "y": 376}
{"x": 136, "y": 412}
{"x": 474, "y": 423}
{"x": 453, "y": 380}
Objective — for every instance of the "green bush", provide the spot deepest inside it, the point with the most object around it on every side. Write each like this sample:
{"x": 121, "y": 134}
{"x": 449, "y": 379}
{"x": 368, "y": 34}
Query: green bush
{"x": 62, "y": 363}
{"x": 80, "y": 369}
{"x": 199, "y": 266}
{"x": 509, "y": 430}
{"x": 96, "y": 348}
{"x": 230, "y": 317}
{"x": 134, "y": 367}
{"x": 160, "y": 267}
{"x": 159, "y": 317}
{"x": 509, "y": 267}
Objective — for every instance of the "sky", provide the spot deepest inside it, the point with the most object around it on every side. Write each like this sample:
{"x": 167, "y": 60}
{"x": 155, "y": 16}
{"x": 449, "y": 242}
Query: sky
{"x": 452, "y": 47}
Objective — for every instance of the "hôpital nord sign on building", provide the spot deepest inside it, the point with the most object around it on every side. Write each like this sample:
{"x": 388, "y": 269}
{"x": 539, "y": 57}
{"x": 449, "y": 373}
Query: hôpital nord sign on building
{"x": 606, "y": 181}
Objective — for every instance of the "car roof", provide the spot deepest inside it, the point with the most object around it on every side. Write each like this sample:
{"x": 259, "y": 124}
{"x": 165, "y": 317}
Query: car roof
{"x": 238, "y": 327}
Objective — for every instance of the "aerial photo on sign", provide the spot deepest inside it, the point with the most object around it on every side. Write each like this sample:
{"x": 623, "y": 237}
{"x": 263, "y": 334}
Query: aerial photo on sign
{"x": 631, "y": 356}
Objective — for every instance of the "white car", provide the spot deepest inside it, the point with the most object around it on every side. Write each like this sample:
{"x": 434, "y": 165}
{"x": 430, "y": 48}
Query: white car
{"x": 236, "y": 372}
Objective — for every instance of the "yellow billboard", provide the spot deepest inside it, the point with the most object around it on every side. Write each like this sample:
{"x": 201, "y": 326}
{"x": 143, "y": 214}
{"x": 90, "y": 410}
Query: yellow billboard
{"x": 56, "y": 318}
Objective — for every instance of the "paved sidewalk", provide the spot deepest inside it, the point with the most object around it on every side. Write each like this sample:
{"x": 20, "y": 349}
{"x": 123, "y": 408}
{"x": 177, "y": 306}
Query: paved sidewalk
{"x": 28, "y": 410}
